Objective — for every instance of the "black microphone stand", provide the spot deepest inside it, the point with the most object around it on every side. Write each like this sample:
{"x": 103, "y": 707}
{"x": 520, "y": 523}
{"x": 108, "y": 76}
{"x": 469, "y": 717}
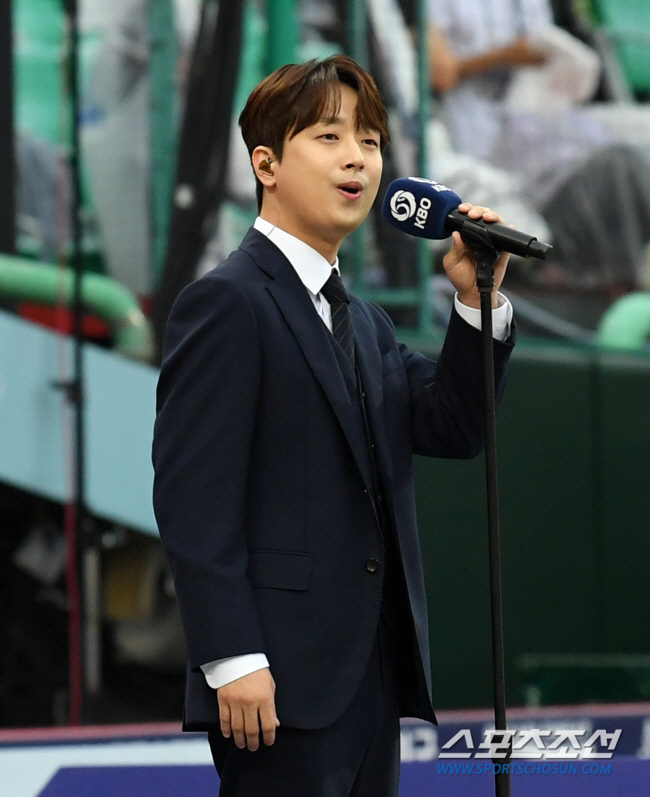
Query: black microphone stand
{"x": 486, "y": 256}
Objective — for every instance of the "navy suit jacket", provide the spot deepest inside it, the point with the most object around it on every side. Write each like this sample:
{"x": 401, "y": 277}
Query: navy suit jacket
{"x": 262, "y": 492}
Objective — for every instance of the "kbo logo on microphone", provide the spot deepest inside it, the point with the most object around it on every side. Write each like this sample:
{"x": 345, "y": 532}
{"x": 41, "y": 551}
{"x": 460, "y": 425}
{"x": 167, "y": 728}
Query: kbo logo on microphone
{"x": 402, "y": 205}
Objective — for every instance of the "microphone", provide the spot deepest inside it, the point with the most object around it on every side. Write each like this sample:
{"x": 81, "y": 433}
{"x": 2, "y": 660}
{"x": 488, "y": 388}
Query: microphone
{"x": 428, "y": 209}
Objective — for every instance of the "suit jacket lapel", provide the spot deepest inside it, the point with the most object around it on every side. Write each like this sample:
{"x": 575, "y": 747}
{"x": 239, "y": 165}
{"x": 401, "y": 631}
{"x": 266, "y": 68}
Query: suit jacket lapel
{"x": 312, "y": 336}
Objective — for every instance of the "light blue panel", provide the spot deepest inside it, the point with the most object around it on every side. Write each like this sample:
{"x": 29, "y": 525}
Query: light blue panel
{"x": 35, "y": 421}
{"x": 120, "y": 411}
{"x": 31, "y": 410}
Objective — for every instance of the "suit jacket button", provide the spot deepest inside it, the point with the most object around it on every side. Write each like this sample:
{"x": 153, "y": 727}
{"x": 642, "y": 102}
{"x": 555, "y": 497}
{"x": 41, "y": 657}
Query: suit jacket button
{"x": 372, "y": 565}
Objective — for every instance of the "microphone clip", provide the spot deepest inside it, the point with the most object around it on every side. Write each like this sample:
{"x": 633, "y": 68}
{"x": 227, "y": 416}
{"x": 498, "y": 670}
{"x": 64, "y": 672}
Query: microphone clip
{"x": 475, "y": 236}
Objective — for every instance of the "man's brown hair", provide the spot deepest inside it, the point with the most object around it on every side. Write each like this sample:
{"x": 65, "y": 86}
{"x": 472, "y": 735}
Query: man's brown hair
{"x": 297, "y": 96}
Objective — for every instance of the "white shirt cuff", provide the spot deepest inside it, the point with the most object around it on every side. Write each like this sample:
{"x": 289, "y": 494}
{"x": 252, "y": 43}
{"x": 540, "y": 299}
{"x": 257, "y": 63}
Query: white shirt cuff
{"x": 222, "y": 671}
{"x": 501, "y": 316}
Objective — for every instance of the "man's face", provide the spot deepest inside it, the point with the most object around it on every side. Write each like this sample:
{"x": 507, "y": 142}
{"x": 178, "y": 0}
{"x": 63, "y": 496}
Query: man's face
{"x": 327, "y": 180}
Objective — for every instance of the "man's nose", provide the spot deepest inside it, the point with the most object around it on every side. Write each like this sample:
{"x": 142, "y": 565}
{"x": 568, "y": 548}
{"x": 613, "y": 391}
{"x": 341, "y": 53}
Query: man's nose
{"x": 354, "y": 155}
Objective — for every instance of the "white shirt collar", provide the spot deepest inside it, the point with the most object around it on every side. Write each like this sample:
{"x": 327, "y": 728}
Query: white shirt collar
{"x": 312, "y": 268}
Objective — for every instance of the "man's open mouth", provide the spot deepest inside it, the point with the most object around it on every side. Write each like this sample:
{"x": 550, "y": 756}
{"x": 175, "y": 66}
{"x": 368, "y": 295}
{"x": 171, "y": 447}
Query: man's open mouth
{"x": 351, "y": 188}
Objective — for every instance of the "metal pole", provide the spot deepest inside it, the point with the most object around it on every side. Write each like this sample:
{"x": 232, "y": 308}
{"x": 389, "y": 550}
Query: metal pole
{"x": 8, "y": 170}
{"x": 92, "y": 616}
{"x": 162, "y": 127}
{"x": 84, "y": 547}
{"x": 357, "y": 22}
{"x": 357, "y": 38}
{"x": 283, "y": 37}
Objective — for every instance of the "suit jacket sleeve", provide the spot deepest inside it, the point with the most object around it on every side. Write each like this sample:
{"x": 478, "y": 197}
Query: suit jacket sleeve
{"x": 447, "y": 396}
{"x": 206, "y": 402}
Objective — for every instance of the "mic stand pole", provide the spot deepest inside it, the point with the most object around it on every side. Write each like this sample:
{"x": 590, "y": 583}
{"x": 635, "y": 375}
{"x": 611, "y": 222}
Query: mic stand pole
{"x": 83, "y": 547}
{"x": 486, "y": 257}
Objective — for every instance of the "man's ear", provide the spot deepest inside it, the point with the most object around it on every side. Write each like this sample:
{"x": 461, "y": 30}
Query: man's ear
{"x": 262, "y": 159}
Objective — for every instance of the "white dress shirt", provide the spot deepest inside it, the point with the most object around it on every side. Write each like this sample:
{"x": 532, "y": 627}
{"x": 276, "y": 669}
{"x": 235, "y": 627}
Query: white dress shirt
{"x": 314, "y": 271}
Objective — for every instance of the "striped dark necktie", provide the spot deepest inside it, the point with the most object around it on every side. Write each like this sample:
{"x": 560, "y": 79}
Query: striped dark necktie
{"x": 335, "y": 293}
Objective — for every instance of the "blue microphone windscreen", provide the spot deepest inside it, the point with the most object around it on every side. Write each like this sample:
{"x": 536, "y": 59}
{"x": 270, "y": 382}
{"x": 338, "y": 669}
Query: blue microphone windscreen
{"x": 419, "y": 207}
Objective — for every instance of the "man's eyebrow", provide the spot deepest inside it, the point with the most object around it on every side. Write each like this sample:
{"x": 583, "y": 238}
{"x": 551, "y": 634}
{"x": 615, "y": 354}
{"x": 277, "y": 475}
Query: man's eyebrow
{"x": 337, "y": 120}
{"x": 330, "y": 120}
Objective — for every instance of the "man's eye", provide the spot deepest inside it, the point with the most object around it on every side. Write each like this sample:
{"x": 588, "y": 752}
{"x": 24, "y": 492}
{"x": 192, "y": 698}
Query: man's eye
{"x": 330, "y": 136}
{"x": 371, "y": 141}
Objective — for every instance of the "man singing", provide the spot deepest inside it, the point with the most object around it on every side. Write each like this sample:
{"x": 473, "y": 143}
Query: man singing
{"x": 287, "y": 420}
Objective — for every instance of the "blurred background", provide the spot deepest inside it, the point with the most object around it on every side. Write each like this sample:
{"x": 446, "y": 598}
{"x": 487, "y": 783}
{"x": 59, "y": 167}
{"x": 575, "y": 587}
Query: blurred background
{"x": 124, "y": 177}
